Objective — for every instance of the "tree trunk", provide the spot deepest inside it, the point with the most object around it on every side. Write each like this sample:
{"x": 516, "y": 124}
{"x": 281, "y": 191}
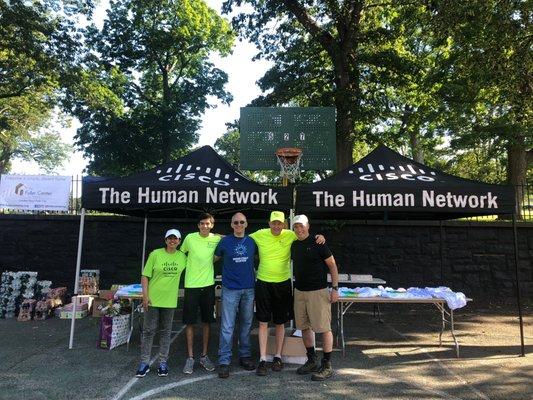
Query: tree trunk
{"x": 416, "y": 151}
{"x": 342, "y": 50}
{"x": 517, "y": 161}
{"x": 344, "y": 147}
{"x": 166, "y": 145}
{"x": 407, "y": 129}
{"x": 6, "y": 152}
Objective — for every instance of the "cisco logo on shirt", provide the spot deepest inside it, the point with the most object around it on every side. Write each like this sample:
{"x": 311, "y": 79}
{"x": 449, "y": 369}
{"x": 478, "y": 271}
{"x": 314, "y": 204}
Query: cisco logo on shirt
{"x": 392, "y": 173}
{"x": 188, "y": 172}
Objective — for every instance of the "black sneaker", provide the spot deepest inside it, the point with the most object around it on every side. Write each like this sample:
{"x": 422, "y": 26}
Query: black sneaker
{"x": 142, "y": 371}
{"x": 261, "y": 369}
{"x": 247, "y": 363}
{"x": 163, "y": 369}
{"x": 309, "y": 366}
{"x": 325, "y": 372}
{"x": 277, "y": 364}
{"x": 223, "y": 371}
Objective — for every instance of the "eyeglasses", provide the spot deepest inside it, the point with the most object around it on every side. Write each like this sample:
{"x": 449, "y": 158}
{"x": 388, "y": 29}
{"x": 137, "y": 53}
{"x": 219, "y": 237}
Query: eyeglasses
{"x": 238, "y": 222}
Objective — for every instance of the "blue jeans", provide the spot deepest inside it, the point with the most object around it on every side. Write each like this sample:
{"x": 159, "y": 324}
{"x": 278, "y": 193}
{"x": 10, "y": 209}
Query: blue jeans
{"x": 241, "y": 302}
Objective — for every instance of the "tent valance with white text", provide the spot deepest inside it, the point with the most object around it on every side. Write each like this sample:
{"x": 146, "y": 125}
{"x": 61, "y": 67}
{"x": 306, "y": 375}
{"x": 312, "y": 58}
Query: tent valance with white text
{"x": 199, "y": 181}
{"x": 385, "y": 183}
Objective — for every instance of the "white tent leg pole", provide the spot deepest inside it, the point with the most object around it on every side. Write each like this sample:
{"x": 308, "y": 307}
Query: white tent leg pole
{"x": 144, "y": 241}
{"x": 78, "y": 263}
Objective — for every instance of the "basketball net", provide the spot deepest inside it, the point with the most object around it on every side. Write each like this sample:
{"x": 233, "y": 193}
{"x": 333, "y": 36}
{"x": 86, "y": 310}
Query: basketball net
{"x": 289, "y": 160}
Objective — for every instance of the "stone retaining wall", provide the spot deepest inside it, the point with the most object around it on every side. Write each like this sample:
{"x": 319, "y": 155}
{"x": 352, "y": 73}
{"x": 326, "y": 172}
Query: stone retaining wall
{"x": 476, "y": 258}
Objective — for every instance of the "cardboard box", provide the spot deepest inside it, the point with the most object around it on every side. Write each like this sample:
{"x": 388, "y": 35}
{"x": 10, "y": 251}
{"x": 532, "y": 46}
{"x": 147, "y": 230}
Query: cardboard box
{"x": 78, "y": 307}
{"x": 81, "y": 310}
{"x": 86, "y": 299}
{"x": 293, "y": 351}
{"x": 107, "y": 294}
{"x": 68, "y": 314}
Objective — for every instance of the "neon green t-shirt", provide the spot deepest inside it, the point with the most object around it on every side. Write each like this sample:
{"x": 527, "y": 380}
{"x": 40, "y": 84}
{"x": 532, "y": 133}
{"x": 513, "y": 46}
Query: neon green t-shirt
{"x": 200, "y": 271}
{"x": 274, "y": 254}
{"x": 164, "y": 272}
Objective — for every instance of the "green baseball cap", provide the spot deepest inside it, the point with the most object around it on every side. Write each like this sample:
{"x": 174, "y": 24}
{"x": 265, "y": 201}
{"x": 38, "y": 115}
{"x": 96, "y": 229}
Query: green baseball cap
{"x": 277, "y": 216}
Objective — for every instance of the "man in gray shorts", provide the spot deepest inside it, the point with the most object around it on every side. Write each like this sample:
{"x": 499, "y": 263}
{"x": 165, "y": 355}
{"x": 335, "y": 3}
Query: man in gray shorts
{"x": 312, "y": 299}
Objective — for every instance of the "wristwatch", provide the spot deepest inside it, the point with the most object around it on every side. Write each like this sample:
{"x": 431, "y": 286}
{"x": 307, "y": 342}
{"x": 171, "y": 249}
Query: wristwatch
{"x": 335, "y": 288}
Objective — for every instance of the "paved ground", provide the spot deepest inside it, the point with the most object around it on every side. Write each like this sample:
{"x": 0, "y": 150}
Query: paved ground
{"x": 399, "y": 359}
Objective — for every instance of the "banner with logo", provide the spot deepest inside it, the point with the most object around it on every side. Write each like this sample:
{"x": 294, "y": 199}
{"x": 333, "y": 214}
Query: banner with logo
{"x": 199, "y": 181}
{"x": 385, "y": 184}
{"x": 35, "y": 192}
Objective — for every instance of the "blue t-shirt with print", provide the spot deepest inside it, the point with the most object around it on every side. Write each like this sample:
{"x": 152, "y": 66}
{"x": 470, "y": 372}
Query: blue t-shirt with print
{"x": 238, "y": 261}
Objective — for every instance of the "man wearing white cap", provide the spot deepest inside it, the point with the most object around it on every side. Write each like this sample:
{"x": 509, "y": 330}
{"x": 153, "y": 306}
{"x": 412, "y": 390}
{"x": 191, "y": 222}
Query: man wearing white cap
{"x": 160, "y": 282}
{"x": 273, "y": 291}
{"x": 312, "y": 299}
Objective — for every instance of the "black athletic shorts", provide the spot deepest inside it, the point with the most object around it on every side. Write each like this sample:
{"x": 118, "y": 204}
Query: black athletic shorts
{"x": 203, "y": 298}
{"x": 273, "y": 301}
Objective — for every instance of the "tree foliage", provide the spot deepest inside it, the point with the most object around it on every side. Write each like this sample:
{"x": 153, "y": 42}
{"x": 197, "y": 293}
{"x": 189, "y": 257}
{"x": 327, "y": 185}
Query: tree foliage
{"x": 413, "y": 75}
{"x": 350, "y": 54}
{"x": 491, "y": 88}
{"x": 38, "y": 46}
{"x": 146, "y": 82}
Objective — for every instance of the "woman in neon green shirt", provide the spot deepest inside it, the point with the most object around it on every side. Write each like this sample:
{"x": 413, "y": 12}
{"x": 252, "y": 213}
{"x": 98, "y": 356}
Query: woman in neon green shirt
{"x": 160, "y": 281}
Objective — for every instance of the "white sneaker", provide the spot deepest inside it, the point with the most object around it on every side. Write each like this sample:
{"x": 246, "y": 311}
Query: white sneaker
{"x": 189, "y": 366}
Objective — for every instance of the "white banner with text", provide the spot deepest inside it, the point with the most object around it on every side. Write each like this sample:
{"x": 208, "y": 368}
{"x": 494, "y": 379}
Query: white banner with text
{"x": 35, "y": 192}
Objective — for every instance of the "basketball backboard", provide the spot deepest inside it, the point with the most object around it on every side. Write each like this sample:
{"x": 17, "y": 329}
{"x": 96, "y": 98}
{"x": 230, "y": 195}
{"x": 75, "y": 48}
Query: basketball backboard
{"x": 263, "y": 130}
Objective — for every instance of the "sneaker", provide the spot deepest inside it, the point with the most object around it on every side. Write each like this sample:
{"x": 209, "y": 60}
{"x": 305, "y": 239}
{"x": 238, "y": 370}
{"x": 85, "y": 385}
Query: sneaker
{"x": 223, "y": 371}
{"x": 309, "y": 366}
{"x": 189, "y": 366}
{"x": 247, "y": 363}
{"x": 163, "y": 369}
{"x": 261, "y": 369}
{"x": 207, "y": 364}
{"x": 277, "y": 364}
{"x": 143, "y": 370}
{"x": 325, "y": 372}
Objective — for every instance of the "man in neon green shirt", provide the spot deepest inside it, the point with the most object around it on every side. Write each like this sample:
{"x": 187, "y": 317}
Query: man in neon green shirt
{"x": 273, "y": 289}
{"x": 160, "y": 282}
{"x": 199, "y": 287}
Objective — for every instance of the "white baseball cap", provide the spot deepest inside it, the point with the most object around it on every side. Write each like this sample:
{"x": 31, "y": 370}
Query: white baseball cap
{"x": 300, "y": 219}
{"x": 174, "y": 232}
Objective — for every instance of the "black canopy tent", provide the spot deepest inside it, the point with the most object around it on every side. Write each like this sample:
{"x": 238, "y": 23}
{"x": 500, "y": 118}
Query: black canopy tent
{"x": 386, "y": 185}
{"x": 201, "y": 181}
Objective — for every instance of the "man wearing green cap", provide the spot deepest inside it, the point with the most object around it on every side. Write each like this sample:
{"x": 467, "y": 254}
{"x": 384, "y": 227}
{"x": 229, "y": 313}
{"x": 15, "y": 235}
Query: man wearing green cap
{"x": 273, "y": 290}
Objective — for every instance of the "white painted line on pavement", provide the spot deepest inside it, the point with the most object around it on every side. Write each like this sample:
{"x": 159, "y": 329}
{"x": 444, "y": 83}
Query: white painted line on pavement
{"x": 184, "y": 382}
{"x": 364, "y": 373}
{"x": 479, "y": 393}
{"x": 133, "y": 380}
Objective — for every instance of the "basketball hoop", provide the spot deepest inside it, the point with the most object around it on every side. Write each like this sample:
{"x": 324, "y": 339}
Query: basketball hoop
{"x": 289, "y": 160}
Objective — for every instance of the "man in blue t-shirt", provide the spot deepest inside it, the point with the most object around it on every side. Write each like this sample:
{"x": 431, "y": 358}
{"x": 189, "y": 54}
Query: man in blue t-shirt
{"x": 238, "y": 280}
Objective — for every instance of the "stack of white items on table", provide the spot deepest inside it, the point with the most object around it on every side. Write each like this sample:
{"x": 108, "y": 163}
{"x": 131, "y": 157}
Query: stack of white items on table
{"x": 453, "y": 300}
{"x": 359, "y": 292}
{"x": 15, "y": 287}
